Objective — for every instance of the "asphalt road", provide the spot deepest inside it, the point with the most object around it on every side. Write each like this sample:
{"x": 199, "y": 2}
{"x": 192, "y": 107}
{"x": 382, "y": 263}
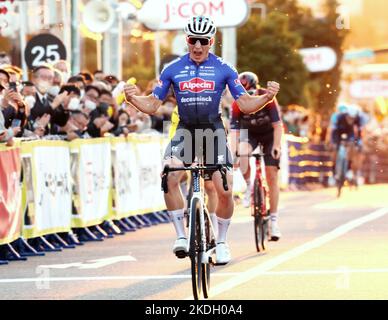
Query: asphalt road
{"x": 330, "y": 249}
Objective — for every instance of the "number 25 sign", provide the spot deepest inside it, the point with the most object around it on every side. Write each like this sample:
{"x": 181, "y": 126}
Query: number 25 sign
{"x": 44, "y": 48}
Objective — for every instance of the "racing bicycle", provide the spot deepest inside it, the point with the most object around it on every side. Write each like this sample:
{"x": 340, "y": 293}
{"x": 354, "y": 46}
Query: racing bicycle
{"x": 202, "y": 238}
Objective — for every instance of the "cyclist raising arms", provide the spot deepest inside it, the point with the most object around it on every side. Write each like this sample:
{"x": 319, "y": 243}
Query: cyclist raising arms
{"x": 198, "y": 79}
{"x": 263, "y": 127}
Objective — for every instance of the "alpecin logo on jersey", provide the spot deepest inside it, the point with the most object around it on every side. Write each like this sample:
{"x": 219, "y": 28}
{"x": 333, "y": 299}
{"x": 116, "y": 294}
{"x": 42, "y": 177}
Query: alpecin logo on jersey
{"x": 196, "y": 85}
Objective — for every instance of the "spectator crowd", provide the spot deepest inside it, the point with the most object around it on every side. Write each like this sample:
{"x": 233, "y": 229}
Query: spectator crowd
{"x": 56, "y": 105}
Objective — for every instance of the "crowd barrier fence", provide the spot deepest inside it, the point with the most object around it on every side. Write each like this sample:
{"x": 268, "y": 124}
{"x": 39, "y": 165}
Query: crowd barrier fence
{"x": 49, "y": 187}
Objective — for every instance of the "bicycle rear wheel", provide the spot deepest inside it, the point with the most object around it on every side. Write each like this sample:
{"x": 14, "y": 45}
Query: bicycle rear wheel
{"x": 258, "y": 198}
{"x": 206, "y": 268}
{"x": 195, "y": 248}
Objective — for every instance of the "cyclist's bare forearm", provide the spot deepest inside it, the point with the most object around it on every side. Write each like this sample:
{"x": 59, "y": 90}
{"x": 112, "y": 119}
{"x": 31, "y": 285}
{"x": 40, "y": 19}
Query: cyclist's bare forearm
{"x": 147, "y": 104}
{"x": 278, "y": 132}
{"x": 251, "y": 104}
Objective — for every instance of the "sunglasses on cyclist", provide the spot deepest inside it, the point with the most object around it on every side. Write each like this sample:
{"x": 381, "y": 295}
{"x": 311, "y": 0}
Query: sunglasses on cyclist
{"x": 202, "y": 41}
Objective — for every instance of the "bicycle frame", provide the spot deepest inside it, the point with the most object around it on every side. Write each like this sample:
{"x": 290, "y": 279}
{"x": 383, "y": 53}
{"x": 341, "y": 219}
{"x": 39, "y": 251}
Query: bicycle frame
{"x": 198, "y": 194}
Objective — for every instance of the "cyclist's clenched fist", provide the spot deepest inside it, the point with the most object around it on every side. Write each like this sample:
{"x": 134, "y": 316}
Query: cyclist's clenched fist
{"x": 272, "y": 89}
{"x": 129, "y": 91}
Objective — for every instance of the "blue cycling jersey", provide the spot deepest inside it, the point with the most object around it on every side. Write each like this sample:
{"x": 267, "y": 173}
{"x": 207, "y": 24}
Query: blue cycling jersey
{"x": 198, "y": 87}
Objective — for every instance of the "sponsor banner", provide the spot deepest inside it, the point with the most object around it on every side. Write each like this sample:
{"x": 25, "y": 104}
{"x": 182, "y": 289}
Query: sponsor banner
{"x": 319, "y": 59}
{"x": 10, "y": 195}
{"x": 173, "y": 14}
{"x": 149, "y": 169}
{"x": 93, "y": 179}
{"x": 126, "y": 177}
{"x": 369, "y": 89}
{"x": 49, "y": 187}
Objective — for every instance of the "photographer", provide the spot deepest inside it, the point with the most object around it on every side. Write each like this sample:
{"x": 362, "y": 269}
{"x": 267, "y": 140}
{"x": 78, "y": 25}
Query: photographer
{"x": 99, "y": 121}
{"x": 123, "y": 127}
{"x": 77, "y": 125}
{"x": 14, "y": 111}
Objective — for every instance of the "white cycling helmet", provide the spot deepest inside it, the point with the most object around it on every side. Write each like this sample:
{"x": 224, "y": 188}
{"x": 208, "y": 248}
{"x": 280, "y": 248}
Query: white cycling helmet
{"x": 200, "y": 26}
{"x": 353, "y": 110}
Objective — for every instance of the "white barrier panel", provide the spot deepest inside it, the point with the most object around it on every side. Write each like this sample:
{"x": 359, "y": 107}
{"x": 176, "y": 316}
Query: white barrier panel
{"x": 50, "y": 168}
{"x": 149, "y": 169}
{"x": 52, "y": 189}
{"x": 94, "y": 181}
{"x": 126, "y": 179}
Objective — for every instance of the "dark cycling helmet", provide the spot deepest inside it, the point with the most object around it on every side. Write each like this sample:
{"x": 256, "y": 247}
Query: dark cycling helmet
{"x": 249, "y": 80}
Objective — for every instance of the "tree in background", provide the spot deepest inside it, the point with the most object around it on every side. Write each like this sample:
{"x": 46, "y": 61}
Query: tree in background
{"x": 321, "y": 90}
{"x": 269, "y": 49}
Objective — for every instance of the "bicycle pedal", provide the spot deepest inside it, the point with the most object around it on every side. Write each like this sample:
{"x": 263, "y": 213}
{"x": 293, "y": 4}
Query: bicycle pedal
{"x": 274, "y": 239}
{"x": 220, "y": 264}
{"x": 181, "y": 254}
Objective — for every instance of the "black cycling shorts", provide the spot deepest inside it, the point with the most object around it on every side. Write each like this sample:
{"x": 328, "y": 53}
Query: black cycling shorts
{"x": 266, "y": 141}
{"x": 205, "y": 141}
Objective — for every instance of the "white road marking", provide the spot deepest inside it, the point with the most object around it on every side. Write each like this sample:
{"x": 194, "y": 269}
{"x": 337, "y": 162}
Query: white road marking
{"x": 111, "y": 278}
{"x": 188, "y": 276}
{"x": 93, "y": 264}
{"x": 293, "y": 253}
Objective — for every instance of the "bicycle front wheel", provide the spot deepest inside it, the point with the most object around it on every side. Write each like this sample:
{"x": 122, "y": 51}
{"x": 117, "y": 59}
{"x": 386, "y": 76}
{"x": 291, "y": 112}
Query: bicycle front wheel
{"x": 195, "y": 252}
{"x": 258, "y": 199}
{"x": 206, "y": 266}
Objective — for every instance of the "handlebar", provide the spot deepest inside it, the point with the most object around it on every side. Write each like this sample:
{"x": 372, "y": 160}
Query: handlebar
{"x": 219, "y": 167}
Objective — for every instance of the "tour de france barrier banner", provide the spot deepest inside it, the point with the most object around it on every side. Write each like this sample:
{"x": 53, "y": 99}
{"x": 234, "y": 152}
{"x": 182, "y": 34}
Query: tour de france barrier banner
{"x": 91, "y": 164}
{"x": 47, "y": 186}
{"x": 137, "y": 191}
{"x": 10, "y": 194}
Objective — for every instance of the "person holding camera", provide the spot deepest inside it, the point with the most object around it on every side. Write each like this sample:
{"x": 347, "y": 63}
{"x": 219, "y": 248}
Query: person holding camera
{"x": 14, "y": 112}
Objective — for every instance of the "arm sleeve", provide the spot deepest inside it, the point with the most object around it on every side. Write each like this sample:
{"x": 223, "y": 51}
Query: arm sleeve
{"x": 161, "y": 90}
{"x": 235, "y": 117}
{"x": 234, "y": 84}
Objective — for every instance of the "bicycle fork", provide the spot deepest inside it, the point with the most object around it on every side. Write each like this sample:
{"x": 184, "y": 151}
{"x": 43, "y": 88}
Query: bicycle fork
{"x": 206, "y": 254}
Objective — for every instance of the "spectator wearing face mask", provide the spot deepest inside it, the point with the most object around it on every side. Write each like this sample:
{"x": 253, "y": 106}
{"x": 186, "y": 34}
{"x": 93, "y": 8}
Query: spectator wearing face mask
{"x": 28, "y": 92}
{"x": 53, "y": 91}
{"x": 68, "y": 100}
{"x": 91, "y": 98}
{"x": 42, "y": 78}
{"x": 55, "y": 122}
